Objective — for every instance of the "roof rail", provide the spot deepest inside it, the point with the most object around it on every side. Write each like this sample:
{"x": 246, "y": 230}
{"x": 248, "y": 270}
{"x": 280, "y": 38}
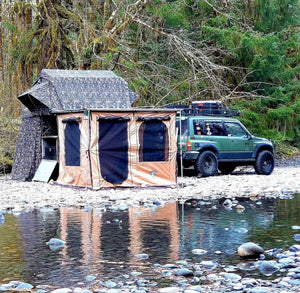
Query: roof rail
{"x": 209, "y": 108}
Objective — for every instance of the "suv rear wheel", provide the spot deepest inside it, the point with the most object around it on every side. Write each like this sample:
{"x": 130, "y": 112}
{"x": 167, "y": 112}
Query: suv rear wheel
{"x": 264, "y": 163}
{"x": 207, "y": 164}
{"x": 226, "y": 168}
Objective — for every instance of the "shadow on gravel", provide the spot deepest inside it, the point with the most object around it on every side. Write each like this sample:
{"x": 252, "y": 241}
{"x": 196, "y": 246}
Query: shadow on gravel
{"x": 239, "y": 171}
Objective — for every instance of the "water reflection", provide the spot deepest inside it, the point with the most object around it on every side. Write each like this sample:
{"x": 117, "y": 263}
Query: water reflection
{"x": 105, "y": 244}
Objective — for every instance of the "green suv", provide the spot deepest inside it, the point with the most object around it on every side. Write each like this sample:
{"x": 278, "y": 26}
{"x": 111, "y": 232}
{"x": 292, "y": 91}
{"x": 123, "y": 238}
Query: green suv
{"x": 210, "y": 143}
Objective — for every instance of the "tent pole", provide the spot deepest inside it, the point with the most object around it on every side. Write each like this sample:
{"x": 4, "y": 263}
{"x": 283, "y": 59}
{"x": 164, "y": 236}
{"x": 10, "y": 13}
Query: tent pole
{"x": 86, "y": 115}
{"x": 180, "y": 150}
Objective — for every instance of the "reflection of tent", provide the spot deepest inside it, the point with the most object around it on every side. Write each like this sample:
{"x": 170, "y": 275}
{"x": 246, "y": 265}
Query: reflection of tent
{"x": 115, "y": 146}
{"x": 101, "y": 148}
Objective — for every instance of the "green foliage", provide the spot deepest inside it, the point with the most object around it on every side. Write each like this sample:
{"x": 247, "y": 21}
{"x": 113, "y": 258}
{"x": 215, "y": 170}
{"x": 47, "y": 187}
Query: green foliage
{"x": 162, "y": 48}
{"x": 272, "y": 16}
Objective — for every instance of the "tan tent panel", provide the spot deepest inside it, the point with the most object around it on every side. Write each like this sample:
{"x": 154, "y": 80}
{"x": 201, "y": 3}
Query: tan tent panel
{"x": 110, "y": 148}
{"x": 74, "y": 164}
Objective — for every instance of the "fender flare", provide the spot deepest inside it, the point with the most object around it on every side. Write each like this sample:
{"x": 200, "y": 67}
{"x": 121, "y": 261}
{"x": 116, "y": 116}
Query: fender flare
{"x": 261, "y": 147}
{"x": 208, "y": 147}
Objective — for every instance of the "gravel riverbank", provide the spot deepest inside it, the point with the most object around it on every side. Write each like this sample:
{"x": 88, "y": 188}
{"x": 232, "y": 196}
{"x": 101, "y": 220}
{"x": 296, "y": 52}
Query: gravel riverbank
{"x": 285, "y": 179}
{"x": 16, "y": 197}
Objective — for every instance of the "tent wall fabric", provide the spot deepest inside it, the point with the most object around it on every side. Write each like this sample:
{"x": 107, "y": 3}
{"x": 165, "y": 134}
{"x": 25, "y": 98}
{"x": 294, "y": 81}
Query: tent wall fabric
{"x": 118, "y": 148}
{"x": 62, "y": 90}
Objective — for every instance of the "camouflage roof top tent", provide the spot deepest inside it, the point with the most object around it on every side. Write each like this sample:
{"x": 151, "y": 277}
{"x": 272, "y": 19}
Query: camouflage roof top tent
{"x": 62, "y": 90}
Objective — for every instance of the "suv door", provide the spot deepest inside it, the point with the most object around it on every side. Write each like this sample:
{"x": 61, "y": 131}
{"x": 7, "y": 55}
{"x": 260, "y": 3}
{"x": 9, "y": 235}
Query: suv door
{"x": 239, "y": 144}
{"x": 215, "y": 133}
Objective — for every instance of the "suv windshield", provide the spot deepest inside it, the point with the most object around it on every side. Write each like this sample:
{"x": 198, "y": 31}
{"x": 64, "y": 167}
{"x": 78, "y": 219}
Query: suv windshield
{"x": 235, "y": 129}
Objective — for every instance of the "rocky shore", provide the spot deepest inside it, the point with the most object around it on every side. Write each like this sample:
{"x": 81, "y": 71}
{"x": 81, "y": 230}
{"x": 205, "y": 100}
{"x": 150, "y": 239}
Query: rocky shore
{"x": 181, "y": 276}
{"x": 285, "y": 179}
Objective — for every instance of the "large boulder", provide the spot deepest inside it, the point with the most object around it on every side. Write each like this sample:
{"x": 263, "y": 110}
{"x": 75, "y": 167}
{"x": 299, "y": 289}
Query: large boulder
{"x": 249, "y": 249}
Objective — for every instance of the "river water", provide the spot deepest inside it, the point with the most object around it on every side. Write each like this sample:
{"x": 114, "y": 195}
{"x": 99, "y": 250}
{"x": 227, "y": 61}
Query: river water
{"x": 106, "y": 243}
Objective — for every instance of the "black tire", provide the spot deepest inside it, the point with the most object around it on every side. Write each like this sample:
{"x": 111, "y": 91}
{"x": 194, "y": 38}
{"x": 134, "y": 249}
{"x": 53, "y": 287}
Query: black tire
{"x": 226, "y": 168}
{"x": 264, "y": 163}
{"x": 207, "y": 164}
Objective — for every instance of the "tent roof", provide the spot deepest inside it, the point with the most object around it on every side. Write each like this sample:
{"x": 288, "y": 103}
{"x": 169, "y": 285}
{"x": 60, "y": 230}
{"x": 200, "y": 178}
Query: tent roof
{"x": 78, "y": 89}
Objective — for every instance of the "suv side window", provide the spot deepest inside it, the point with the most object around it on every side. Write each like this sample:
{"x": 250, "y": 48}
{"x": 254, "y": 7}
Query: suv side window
{"x": 235, "y": 129}
{"x": 199, "y": 128}
{"x": 215, "y": 128}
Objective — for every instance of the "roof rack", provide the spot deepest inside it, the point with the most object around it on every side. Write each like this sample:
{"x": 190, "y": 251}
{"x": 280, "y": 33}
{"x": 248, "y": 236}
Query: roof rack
{"x": 209, "y": 108}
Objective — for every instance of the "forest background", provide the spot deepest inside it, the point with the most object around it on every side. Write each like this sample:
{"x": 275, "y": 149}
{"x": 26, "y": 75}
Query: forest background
{"x": 242, "y": 52}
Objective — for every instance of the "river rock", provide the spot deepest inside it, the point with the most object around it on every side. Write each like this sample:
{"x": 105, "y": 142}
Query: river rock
{"x": 62, "y": 290}
{"x": 196, "y": 288}
{"x": 184, "y": 272}
{"x": 227, "y": 203}
{"x": 268, "y": 268}
{"x": 295, "y": 282}
{"x": 297, "y": 237}
{"x": 169, "y": 290}
{"x": 24, "y": 286}
{"x": 122, "y": 207}
{"x": 90, "y": 278}
{"x": 295, "y": 248}
{"x": 142, "y": 255}
{"x": 208, "y": 264}
{"x": 199, "y": 251}
{"x": 55, "y": 243}
{"x": 110, "y": 284}
{"x": 260, "y": 290}
{"x": 232, "y": 277}
{"x": 249, "y": 249}
{"x": 2, "y": 219}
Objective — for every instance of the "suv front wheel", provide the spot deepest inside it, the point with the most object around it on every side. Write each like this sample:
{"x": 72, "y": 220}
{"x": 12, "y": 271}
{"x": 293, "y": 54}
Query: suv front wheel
{"x": 207, "y": 164}
{"x": 264, "y": 163}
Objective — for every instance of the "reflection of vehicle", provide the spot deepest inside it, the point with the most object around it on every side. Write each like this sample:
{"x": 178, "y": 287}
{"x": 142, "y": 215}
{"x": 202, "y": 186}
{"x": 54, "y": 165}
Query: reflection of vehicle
{"x": 210, "y": 143}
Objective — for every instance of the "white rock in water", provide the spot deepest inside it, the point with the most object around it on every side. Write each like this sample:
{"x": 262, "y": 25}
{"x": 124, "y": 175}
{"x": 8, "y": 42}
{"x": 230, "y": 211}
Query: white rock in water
{"x": 199, "y": 251}
{"x": 249, "y": 249}
{"x": 142, "y": 255}
{"x": 55, "y": 243}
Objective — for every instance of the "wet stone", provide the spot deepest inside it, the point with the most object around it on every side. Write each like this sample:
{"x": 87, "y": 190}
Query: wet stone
{"x": 268, "y": 268}
{"x": 110, "y": 284}
{"x": 209, "y": 265}
{"x": 247, "y": 266}
{"x": 249, "y": 249}
{"x": 184, "y": 272}
{"x": 22, "y": 286}
{"x": 295, "y": 248}
{"x": 142, "y": 256}
{"x": 62, "y": 290}
{"x": 169, "y": 290}
{"x": 260, "y": 290}
{"x": 170, "y": 266}
{"x": 55, "y": 243}
{"x": 296, "y": 276}
{"x": 294, "y": 282}
{"x": 199, "y": 251}
{"x": 287, "y": 261}
{"x": 297, "y": 237}
{"x": 90, "y": 278}
{"x": 196, "y": 288}
{"x": 231, "y": 277}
